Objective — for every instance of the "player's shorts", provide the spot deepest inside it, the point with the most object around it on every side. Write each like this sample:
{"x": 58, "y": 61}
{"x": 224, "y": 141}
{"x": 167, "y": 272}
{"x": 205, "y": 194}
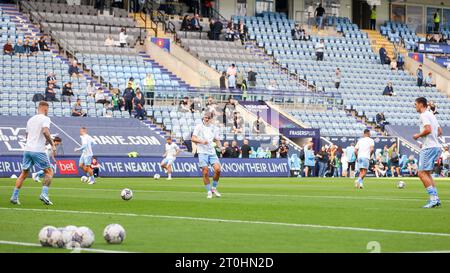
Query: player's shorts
{"x": 427, "y": 157}
{"x": 363, "y": 163}
{"x": 86, "y": 160}
{"x": 167, "y": 161}
{"x": 206, "y": 160}
{"x": 31, "y": 159}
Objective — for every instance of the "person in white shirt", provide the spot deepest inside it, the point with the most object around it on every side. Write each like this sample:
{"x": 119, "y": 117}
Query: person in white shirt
{"x": 320, "y": 48}
{"x": 34, "y": 153}
{"x": 51, "y": 158}
{"x": 364, "y": 151}
{"x": 430, "y": 149}
{"x": 86, "y": 156}
{"x": 205, "y": 135}
{"x": 172, "y": 150}
{"x": 123, "y": 37}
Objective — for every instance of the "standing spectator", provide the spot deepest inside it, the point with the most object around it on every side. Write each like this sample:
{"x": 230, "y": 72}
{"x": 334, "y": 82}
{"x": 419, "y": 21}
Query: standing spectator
{"x": 128, "y": 95}
{"x": 139, "y": 102}
{"x": 251, "y": 77}
{"x": 344, "y": 162}
{"x": 322, "y": 158}
{"x": 243, "y": 31}
{"x": 195, "y": 6}
{"x": 50, "y": 94}
{"x": 381, "y": 121}
{"x": 34, "y": 49}
{"x": 123, "y": 37}
{"x": 195, "y": 23}
{"x": 8, "y": 49}
{"x": 116, "y": 101}
{"x": 419, "y": 74}
{"x": 238, "y": 123}
{"x": 239, "y": 79}
{"x": 19, "y": 49}
{"x": 73, "y": 69}
{"x": 258, "y": 126}
{"x": 429, "y": 81}
{"x": 400, "y": 62}
{"x": 445, "y": 160}
{"x": 209, "y": 4}
{"x": 222, "y": 80}
{"x": 235, "y": 149}
{"x": 217, "y": 29}
{"x": 149, "y": 85}
{"x": 320, "y": 11}
{"x": 283, "y": 149}
{"x": 337, "y": 78}
{"x": 231, "y": 72}
{"x": 26, "y": 45}
{"x": 388, "y": 90}
{"x": 437, "y": 21}
{"x": 77, "y": 110}
{"x": 383, "y": 55}
{"x": 351, "y": 158}
{"x": 394, "y": 159}
{"x": 67, "y": 92}
{"x": 320, "y": 48}
{"x": 227, "y": 151}
{"x": 310, "y": 162}
{"x": 337, "y": 161}
{"x": 373, "y": 18}
{"x": 246, "y": 150}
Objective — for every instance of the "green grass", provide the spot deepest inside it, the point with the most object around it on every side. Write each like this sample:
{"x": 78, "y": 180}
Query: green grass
{"x": 153, "y": 224}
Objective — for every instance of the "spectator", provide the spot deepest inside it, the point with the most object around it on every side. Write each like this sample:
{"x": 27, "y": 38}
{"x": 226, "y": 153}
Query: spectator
{"x": 322, "y": 158}
{"x": 95, "y": 167}
{"x": 73, "y": 69}
{"x": 344, "y": 162}
{"x": 429, "y": 81}
{"x": 139, "y": 102}
{"x": 437, "y": 21}
{"x": 26, "y": 46}
{"x": 337, "y": 162}
{"x": 184, "y": 105}
{"x": 251, "y": 77}
{"x": 419, "y": 74}
{"x": 373, "y": 18}
{"x": 107, "y": 110}
{"x": 186, "y": 23}
{"x": 231, "y": 72}
{"x": 381, "y": 121}
{"x": 195, "y": 23}
{"x": 195, "y": 6}
{"x": 260, "y": 153}
{"x": 116, "y": 101}
{"x": 388, "y": 90}
{"x": 238, "y": 123}
{"x": 77, "y": 110}
{"x": 8, "y": 49}
{"x": 383, "y": 55}
{"x": 411, "y": 165}
{"x": 295, "y": 32}
{"x": 197, "y": 105}
{"x": 379, "y": 168}
{"x": 217, "y": 29}
{"x": 222, "y": 80}
{"x": 337, "y": 78}
{"x": 229, "y": 33}
{"x": 43, "y": 44}
{"x": 235, "y": 149}
{"x": 67, "y": 92}
{"x": 432, "y": 107}
{"x": 19, "y": 49}
{"x": 243, "y": 31}
{"x": 320, "y": 11}
{"x": 246, "y": 150}
{"x": 109, "y": 41}
{"x": 128, "y": 95}
{"x": 394, "y": 64}
{"x": 400, "y": 62}
{"x": 351, "y": 158}
{"x": 320, "y": 48}
{"x": 51, "y": 79}
{"x": 283, "y": 149}
{"x": 394, "y": 159}
{"x": 445, "y": 160}
{"x": 34, "y": 49}
{"x": 100, "y": 96}
{"x": 50, "y": 94}
{"x": 303, "y": 35}
{"x": 294, "y": 165}
{"x": 227, "y": 151}
{"x": 239, "y": 79}
{"x": 133, "y": 83}
{"x": 309, "y": 159}
{"x": 123, "y": 37}
{"x": 90, "y": 89}
{"x": 149, "y": 85}
{"x": 209, "y": 4}
{"x": 259, "y": 127}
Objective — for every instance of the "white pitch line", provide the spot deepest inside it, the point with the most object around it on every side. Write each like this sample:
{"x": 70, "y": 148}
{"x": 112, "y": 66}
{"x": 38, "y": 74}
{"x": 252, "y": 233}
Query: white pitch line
{"x": 428, "y": 251}
{"x": 81, "y": 249}
{"x": 248, "y": 194}
{"x": 405, "y": 232}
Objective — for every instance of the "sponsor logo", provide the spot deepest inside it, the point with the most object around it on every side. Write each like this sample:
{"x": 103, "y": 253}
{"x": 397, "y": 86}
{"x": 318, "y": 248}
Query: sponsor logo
{"x": 13, "y": 138}
{"x": 67, "y": 167}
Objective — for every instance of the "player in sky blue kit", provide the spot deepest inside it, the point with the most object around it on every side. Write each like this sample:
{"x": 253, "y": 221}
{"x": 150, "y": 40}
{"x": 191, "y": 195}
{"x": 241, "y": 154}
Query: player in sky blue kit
{"x": 34, "y": 153}
{"x": 86, "y": 156}
{"x": 172, "y": 150}
{"x": 430, "y": 150}
{"x": 37, "y": 176}
{"x": 205, "y": 135}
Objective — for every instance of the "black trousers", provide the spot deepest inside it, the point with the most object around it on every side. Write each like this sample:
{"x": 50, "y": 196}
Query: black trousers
{"x": 128, "y": 106}
{"x": 373, "y": 23}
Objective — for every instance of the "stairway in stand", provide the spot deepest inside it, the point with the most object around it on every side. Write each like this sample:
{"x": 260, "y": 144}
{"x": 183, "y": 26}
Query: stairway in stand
{"x": 377, "y": 40}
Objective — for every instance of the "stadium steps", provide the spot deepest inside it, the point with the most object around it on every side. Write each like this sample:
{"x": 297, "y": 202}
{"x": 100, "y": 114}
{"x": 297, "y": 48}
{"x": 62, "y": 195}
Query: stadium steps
{"x": 377, "y": 40}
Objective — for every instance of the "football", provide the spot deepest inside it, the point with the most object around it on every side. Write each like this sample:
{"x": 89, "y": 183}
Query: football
{"x": 67, "y": 235}
{"x": 114, "y": 234}
{"x": 85, "y": 236}
{"x": 401, "y": 185}
{"x": 50, "y": 236}
{"x": 157, "y": 176}
{"x": 84, "y": 178}
{"x": 126, "y": 194}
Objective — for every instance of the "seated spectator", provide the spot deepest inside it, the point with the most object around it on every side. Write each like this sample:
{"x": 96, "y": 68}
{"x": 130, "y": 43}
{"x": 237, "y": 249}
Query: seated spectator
{"x": 243, "y": 32}
{"x": 393, "y": 64}
{"x": 19, "y": 49}
{"x": 235, "y": 150}
{"x": 320, "y": 48}
{"x": 229, "y": 34}
{"x": 77, "y": 110}
{"x": 295, "y": 32}
{"x": 138, "y": 103}
{"x": 429, "y": 81}
{"x": 107, "y": 110}
{"x": 43, "y": 44}
{"x": 197, "y": 105}
{"x": 411, "y": 165}
{"x": 184, "y": 105}
{"x": 381, "y": 121}
{"x": 116, "y": 101}
{"x": 388, "y": 90}
{"x": 195, "y": 23}
{"x": 379, "y": 168}
{"x": 90, "y": 89}
{"x": 67, "y": 92}
{"x": 259, "y": 127}
{"x": 50, "y": 94}
{"x": 246, "y": 150}
{"x": 8, "y": 48}
{"x": 238, "y": 123}
{"x": 100, "y": 96}
{"x": 185, "y": 24}
{"x": 123, "y": 37}
{"x": 73, "y": 69}
{"x": 26, "y": 46}
{"x": 432, "y": 107}
{"x": 109, "y": 41}
{"x": 217, "y": 30}
{"x": 51, "y": 79}
{"x": 227, "y": 151}
{"x": 34, "y": 49}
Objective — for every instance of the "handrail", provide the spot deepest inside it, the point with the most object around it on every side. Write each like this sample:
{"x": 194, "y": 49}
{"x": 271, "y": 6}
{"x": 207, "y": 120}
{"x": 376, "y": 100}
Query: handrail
{"x": 217, "y": 15}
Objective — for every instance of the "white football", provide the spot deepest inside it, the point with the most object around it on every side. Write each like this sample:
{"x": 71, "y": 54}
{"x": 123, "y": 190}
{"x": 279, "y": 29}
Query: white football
{"x": 84, "y": 178}
{"x": 157, "y": 176}
{"x": 114, "y": 234}
{"x": 67, "y": 235}
{"x": 50, "y": 236}
{"x": 87, "y": 236}
{"x": 401, "y": 185}
{"x": 126, "y": 194}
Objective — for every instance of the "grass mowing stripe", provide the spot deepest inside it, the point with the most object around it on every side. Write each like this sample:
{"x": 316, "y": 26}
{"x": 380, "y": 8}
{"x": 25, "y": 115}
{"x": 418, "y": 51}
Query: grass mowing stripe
{"x": 236, "y": 221}
{"x": 76, "y": 249}
{"x": 248, "y": 194}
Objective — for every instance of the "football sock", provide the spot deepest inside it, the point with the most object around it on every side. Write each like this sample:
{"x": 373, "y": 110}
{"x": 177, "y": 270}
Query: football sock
{"x": 215, "y": 184}
{"x": 360, "y": 180}
{"x": 208, "y": 187}
{"x": 40, "y": 174}
{"x": 432, "y": 193}
{"x": 15, "y": 194}
{"x": 170, "y": 175}
{"x": 44, "y": 190}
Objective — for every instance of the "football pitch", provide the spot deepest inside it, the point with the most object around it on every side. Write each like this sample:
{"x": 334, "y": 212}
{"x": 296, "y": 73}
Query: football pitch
{"x": 253, "y": 215}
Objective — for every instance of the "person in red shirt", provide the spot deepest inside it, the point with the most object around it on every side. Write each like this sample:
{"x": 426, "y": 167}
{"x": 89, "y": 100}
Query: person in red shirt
{"x": 95, "y": 166}
{"x": 8, "y": 48}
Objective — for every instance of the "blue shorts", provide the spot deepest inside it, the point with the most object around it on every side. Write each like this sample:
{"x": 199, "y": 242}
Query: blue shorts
{"x": 427, "y": 157}
{"x": 31, "y": 159}
{"x": 362, "y": 163}
{"x": 86, "y": 160}
{"x": 167, "y": 161}
{"x": 206, "y": 160}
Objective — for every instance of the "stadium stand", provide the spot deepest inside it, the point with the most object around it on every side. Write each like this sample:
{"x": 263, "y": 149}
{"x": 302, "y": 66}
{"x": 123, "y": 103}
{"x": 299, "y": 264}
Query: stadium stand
{"x": 397, "y": 32}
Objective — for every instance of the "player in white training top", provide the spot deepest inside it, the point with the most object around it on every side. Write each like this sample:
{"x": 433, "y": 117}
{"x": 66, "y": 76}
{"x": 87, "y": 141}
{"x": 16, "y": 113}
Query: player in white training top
{"x": 205, "y": 135}
{"x": 430, "y": 149}
{"x": 172, "y": 150}
{"x": 364, "y": 151}
{"x": 86, "y": 156}
{"x": 37, "y": 176}
{"x": 34, "y": 153}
